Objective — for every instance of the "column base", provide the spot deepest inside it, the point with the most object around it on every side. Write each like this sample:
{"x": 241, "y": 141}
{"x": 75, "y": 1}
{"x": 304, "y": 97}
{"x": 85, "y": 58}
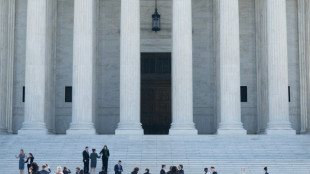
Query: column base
{"x": 183, "y": 132}
{"x": 262, "y": 131}
{"x": 231, "y": 132}
{"x": 81, "y": 129}
{"x": 280, "y": 132}
{"x": 129, "y": 129}
{"x": 231, "y": 128}
{"x": 33, "y": 128}
{"x": 3, "y": 131}
{"x": 183, "y": 129}
{"x": 280, "y": 128}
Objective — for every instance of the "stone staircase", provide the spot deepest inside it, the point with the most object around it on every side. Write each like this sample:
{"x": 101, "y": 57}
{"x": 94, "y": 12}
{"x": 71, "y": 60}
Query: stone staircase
{"x": 229, "y": 154}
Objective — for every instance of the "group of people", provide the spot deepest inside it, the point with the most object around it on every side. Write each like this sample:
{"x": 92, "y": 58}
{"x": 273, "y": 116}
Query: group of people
{"x": 104, "y": 154}
{"x": 172, "y": 169}
{"x": 33, "y": 167}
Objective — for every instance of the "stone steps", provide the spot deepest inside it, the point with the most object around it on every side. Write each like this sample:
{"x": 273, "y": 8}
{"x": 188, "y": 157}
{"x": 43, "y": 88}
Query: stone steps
{"x": 228, "y": 154}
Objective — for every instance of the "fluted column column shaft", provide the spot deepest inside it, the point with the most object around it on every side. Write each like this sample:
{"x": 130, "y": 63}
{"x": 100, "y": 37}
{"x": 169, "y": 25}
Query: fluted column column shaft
{"x": 35, "y": 68}
{"x": 277, "y": 68}
{"x": 84, "y": 47}
{"x": 229, "y": 69}
{"x": 302, "y": 65}
{"x": 10, "y": 65}
{"x": 182, "y": 76}
{"x": 307, "y": 54}
{"x": 3, "y": 62}
{"x": 262, "y": 64}
{"x": 130, "y": 69}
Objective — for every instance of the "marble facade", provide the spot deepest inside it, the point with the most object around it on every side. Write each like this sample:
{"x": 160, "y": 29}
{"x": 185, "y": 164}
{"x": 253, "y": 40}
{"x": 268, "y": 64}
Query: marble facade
{"x": 270, "y": 54}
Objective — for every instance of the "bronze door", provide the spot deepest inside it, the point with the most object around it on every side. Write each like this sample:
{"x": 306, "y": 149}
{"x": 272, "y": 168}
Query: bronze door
{"x": 156, "y": 92}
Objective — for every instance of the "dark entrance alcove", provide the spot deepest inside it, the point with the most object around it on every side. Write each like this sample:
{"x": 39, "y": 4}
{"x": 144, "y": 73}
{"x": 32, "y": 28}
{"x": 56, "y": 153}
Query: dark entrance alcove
{"x": 156, "y": 92}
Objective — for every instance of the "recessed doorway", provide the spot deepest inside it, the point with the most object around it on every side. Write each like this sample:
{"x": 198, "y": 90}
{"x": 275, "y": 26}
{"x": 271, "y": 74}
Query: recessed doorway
{"x": 156, "y": 92}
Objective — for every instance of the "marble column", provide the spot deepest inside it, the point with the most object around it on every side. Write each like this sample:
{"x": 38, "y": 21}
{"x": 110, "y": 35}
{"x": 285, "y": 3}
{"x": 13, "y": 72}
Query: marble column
{"x": 302, "y": 65}
{"x": 229, "y": 69}
{"x": 261, "y": 64}
{"x": 3, "y": 62}
{"x": 277, "y": 69}
{"x": 10, "y": 65}
{"x": 84, "y": 56}
{"x": 182, "y": 67}
{"x": 307, "y": 57}
{"x": 50, "y": 62}
{"x": 35, "y": 79}
{"x": 130, "y": 69}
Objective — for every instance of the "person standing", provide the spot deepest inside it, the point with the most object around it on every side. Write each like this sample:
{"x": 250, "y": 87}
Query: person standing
{"x": 45, "y": 169}
{"x": 207, "y": 171}
{"x": 135, "y": 170}
{"x": 105, "y": 153}
{"x": 29, "y": 161}
{"x": 265, "y": 170}
{"x": 103, "y": 171}
{"x": 147, "y": 171}
{"x": 21, "y": 163}
{"x": 59, "y": 170}
{"x": 77, "y": 170}
{"x": 66, "y": 170}
{"x": 180, "y": 169}
{"x": 213, "y": 170}
{"x": 170, "y": 170}
{"x": 34, "y": 168}
{"x": 118, "y": 168}
{"x": 174, "y": 170}
{"x": 86, "y": 160}
{"x": 93, "y": 163}
{"x": 163, "y": 169}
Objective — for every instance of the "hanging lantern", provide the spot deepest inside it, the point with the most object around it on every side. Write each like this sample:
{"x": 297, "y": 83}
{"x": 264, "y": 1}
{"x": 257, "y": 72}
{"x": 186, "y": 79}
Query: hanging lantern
{"x": 156, "y": 19}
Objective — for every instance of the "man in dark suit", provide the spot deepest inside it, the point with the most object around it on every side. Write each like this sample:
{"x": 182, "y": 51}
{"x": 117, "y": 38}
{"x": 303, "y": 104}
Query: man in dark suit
{"x": 213, "y": 170}
{"x": 77, "y": 170}
{"x": 45, "y": 169}
{"x": 118, "y": 169}
{"x": 180, "y": 169}
{"x": 163, "y": 168}
{"x": 86, "y": 160}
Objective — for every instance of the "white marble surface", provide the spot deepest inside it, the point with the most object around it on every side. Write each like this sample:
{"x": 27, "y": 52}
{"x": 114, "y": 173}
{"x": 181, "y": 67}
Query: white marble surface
{"x": 227, "y": 153}
{"x": 3, "y": 62}
{"x": 303, "y": 66}
{"x": 229, "y": 69}
{"x": 84, "y": 61}
{"x": 307, "y": 46}
{"x": 36, "y": 68}
{"x": 10, "y": 65}
{"x": 182, "y": 69}
{"x": 130, "y": 69}
{"x": 108, "y": 66}
{"x": 279, "y": 122}
{"x": 261, "y": 64}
